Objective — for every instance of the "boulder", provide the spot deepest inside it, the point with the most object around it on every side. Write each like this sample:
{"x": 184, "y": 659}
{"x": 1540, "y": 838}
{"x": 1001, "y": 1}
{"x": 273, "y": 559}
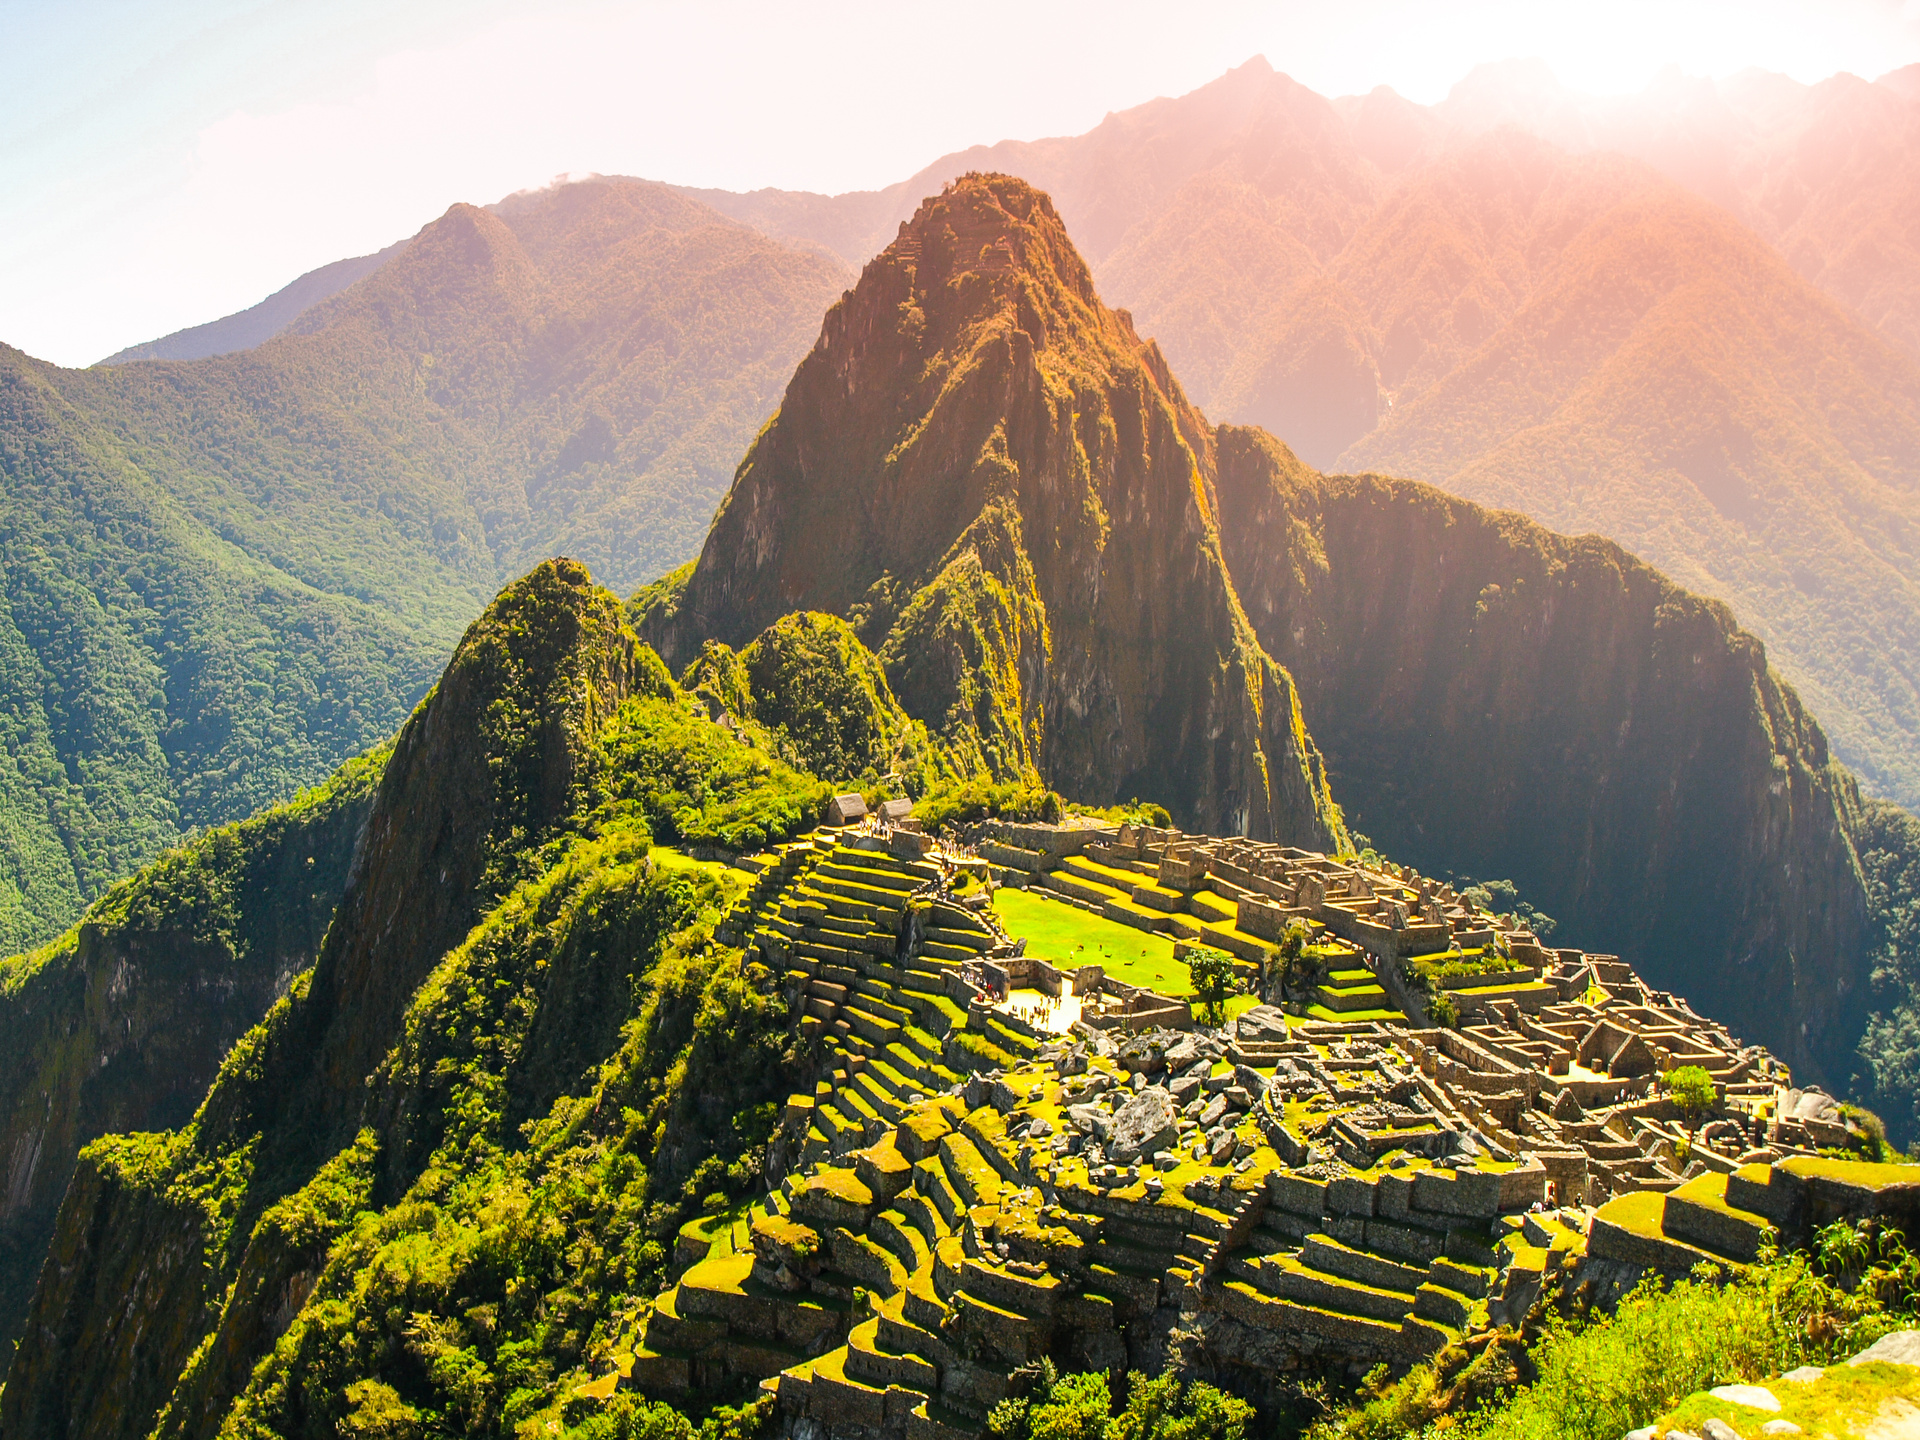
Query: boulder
{"x": 1090, "y": 1120}
{"x": 1143, "y": 1125}
{"x": 1187, "y": 1051}
{"x": 1263, "y": 1023}
{"x": 1902, "y": 1347}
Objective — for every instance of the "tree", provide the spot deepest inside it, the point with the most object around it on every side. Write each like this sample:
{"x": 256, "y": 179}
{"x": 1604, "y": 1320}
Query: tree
{"x": 1211, "y": 971}
{"x": 1691, "y": 1090}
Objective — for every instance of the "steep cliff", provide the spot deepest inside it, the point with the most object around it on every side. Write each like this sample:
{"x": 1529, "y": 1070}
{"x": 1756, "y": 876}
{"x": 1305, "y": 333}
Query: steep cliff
{"x": 496, "y": 757}
{"x": 122, "y": 1023}
{"x": 1496, "y": 699}
{"x": 1005, "y": 490}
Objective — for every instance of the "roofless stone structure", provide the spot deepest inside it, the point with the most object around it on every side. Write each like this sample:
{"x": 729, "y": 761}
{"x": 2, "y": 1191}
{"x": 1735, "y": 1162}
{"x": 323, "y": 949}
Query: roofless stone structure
{"x": 1008, "y": 1156}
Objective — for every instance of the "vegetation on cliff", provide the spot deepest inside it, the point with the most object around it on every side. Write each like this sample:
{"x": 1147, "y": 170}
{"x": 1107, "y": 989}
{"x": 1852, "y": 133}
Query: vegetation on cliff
{"x": 822, "y": 701}
{"x": 1497, "y": 699}
{"x": 121, "y": 1022}
{"x": 464, "y": 1139}
{"x": 1582, "y": 1373}
{"x": 1888, "y": 840}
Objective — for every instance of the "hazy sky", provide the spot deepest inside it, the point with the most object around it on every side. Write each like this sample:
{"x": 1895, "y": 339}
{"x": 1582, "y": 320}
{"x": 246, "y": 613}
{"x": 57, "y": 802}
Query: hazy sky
{"x": 164, "y": 162}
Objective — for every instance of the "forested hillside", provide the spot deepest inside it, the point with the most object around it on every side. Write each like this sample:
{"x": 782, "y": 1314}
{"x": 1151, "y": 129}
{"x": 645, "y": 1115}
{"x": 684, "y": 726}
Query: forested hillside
{"x": 506, "y": 952}
{"x": 121, "y": 1023}
{"x": 225, "y": 576}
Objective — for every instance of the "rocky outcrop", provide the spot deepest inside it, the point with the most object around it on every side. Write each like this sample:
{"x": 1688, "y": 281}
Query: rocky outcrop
{"x": 121, "y": 1024}
{"x": 1496, "y": 699}
{"x": 1005, "y": 490}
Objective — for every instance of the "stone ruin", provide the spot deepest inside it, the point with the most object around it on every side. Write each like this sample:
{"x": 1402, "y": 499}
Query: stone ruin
{"x": 1326, "y": 1180}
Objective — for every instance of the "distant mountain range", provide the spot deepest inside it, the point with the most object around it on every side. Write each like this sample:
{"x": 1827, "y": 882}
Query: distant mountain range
{"x": 1711, "y": 356}
{"x": 224, "y": 576}
{"x": 259, "y": 323}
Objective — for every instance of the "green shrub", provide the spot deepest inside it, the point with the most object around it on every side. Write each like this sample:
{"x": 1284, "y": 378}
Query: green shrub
{"x": 1597, "y": 1376}
{"x": 1080, "y": 1407}
{"x": 697, "y": 784}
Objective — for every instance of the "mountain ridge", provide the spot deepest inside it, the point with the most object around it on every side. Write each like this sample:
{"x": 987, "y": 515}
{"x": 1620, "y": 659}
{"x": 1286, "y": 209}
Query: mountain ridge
{"x": 268, "y": 553}
{"x": 1319, "y": 266}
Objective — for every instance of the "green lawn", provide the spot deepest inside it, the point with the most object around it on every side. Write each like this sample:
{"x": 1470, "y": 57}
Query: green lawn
{"x": 732, "y": 881}
{"x": 1067, "y": 937}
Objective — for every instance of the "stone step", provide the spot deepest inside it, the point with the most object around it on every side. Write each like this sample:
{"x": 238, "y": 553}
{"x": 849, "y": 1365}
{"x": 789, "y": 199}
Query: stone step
{"x": 1140, "y": 917}
{"x": 930, "y": 1181}
{"x": 878, "y": 998}
{"x": 892, "y": 1229}
{"x": 1211, "y": 909}
{"x": 1093, "y": 893}
{"x": 870, "y": 1088}
{"x": 927, "y": 1221}
{"x": 1326, "y": 1254}
{"x": 968, "y": 1172}
{"x": 1447, "y": 1307}
{"x": 878, "y": 1029}
{"x": 1234, "y": 941}
{"x": 971, "y": 939}
{"x": 1247, "y": 1303}
{"x": 1292, "y": 1279}
{"x": 956, "y": 954}
{"x": 843, "y": 870}
{"x": 1698, "y": 1214}
{"x": 867, "y": 1361}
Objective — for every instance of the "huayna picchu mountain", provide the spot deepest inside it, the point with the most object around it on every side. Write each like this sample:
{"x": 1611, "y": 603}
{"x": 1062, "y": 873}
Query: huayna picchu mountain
{"x": 1005, "y": 489}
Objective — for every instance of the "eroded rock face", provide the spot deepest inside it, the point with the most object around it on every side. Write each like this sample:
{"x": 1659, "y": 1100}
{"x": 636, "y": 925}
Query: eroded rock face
{"x": 125, "y": 1030}
{"x": 1143, "y": 1126}
{"x": 1499, "y": 700}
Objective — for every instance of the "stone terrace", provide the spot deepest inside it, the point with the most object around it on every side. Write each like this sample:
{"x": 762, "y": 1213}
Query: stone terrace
{"x": 961, "y": 1193}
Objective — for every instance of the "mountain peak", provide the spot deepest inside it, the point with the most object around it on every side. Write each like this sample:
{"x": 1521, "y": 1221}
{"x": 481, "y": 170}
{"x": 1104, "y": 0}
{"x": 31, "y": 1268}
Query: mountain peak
{"x": 992, "y": 225}
{"x": 988, "y": 472}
